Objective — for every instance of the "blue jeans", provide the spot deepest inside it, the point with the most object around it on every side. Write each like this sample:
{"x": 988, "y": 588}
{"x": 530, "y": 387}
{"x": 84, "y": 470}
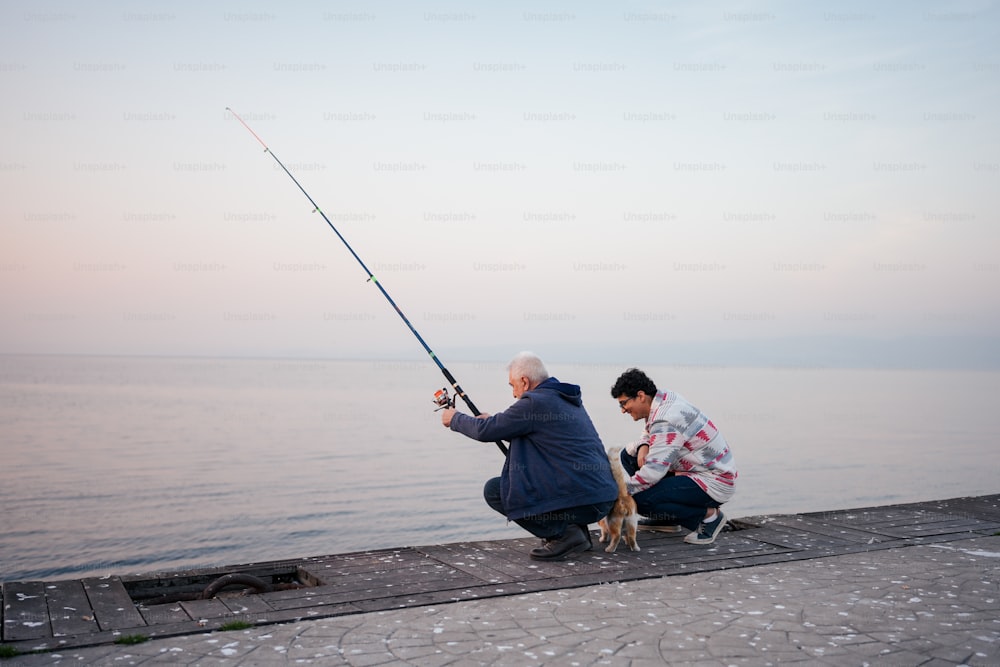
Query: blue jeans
{"x": 674, "y": 498}
{"x": 550, "y": 524}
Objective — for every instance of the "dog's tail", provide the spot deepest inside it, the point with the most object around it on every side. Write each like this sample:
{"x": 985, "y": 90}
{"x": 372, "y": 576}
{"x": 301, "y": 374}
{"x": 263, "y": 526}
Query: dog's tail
{"x": 614, "y": 458}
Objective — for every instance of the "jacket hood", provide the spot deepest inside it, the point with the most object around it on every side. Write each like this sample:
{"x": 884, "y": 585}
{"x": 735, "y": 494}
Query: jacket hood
{"x": 568, "y": 392}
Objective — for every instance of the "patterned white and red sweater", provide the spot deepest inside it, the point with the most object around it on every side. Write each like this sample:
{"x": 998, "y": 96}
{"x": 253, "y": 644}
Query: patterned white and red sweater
{"x": 683, "y": 439}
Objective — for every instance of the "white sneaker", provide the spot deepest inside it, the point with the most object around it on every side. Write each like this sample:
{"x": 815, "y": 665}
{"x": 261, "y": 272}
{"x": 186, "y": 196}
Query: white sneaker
{"x": 708, "y": 530}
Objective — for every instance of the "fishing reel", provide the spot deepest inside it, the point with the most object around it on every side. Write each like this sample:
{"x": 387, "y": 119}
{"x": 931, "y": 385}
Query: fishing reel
{"x": 443, "y": 400}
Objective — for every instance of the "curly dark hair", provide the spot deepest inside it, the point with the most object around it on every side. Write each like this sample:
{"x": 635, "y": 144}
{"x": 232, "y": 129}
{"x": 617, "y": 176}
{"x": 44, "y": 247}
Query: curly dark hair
{"x": 631, "y": 382}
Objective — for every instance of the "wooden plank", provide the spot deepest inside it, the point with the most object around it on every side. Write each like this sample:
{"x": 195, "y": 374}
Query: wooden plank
{"x": 199, "y": 609}
{"x": 425, "y": 568}
{"x": 307, "y": 578}
{"x": 468, "y": 558}
{"x": 512, "y": 557}
{"x": 377, "y": 586}
{"x": 649, "y": 561}
{"x": 113, "y": 608}
{"x": 330, "y": 567}
{"x": 941, "y": 528}
{"x": 731, "y": 542}
{"x": 836, "y": 530}
{"x": 366, "y": 560}
{"x": 509, "y": 557}
{"x": 69, "y": 609}
{"x": 326, "y": 595}
{"x": 787, "y": 538}
{"x": 984, "y": 508}
{"x": 671, "y": 558}
{"x": 163, "y": 614}
{"x": 247, "y": 605}
{"x": 876, "y": 519}
{"x": 902, "y": 522}
{"x": 25, "y": 614}
{"x": 829, "y": 531}
{"x": 559, "y": 569}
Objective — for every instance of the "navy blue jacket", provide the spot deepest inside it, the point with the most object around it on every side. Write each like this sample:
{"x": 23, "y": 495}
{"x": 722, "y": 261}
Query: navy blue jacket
{"x": 556, "y": 460}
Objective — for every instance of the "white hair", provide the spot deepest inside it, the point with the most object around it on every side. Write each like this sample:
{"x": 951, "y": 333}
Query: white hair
{"x": 528, "y": 364}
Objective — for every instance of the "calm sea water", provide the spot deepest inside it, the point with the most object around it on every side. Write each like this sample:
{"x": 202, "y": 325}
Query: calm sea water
{"x": 127, "y": 465}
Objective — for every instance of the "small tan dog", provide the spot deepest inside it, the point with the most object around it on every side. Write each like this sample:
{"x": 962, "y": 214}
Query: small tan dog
{"x": 623, "y": 519}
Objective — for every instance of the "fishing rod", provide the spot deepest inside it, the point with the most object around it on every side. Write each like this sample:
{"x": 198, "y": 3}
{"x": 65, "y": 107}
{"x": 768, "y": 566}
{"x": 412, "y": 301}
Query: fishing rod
{"x": 441, "y": 398}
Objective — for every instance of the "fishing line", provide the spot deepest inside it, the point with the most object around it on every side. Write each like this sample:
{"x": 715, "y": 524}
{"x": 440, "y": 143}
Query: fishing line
{"x": 371, "y": 278}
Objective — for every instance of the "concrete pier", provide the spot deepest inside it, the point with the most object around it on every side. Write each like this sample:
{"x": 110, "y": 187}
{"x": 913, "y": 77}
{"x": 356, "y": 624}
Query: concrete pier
{"x": 911, "y": 584}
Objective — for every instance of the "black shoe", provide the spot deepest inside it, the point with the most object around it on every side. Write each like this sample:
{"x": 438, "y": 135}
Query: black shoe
{"x": 572, "y": 541}
{"x": 586, "y": 531}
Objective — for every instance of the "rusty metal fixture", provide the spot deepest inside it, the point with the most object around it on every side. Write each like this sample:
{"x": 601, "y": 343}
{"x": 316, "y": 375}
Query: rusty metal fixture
{"x": 259, "y": 585}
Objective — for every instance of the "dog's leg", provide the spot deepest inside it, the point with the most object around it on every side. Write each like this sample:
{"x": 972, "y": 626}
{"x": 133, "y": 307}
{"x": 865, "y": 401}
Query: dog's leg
{"x": 615, "y": 526}
{"x": 605, "y": 532}
{"x": 631, "y": 524}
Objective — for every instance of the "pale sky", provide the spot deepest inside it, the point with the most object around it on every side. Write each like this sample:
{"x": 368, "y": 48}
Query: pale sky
{"x": 570, "y": 177}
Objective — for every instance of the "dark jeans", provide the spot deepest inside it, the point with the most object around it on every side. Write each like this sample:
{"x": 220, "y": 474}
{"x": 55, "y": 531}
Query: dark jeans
{"x": 674, "y": 498}
{"x": 550, "y": 524}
